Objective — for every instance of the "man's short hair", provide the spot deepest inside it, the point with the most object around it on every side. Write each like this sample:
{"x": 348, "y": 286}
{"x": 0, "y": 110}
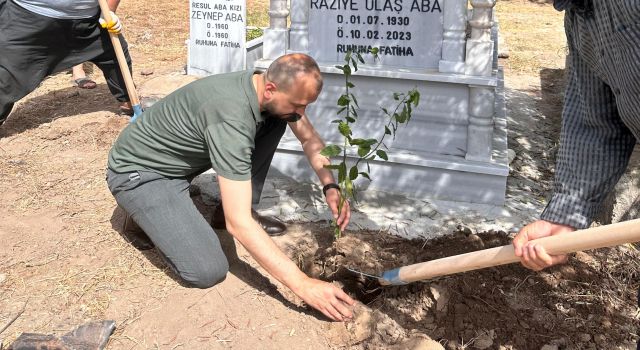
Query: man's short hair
{"x": 285, "y": 69}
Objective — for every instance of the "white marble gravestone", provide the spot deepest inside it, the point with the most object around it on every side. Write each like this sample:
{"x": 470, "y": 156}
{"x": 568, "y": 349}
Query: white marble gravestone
{"x": 216, "y": 37}
{"x": 400, "y": 29}
{"x": 455, "y": 145}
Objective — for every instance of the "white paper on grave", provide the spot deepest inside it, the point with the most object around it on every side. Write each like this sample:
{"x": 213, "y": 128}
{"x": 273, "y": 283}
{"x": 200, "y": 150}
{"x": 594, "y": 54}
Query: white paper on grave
{"x": 217, "y": 37}
{"x": 408, "y": 33}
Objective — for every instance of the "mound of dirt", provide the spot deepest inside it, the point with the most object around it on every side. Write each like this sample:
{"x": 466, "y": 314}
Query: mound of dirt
{"x": 588, "y": 303}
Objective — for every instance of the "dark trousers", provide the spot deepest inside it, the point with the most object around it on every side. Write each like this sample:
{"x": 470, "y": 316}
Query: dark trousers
{"x": 33, "y": 47}
{"x": 161, "y": 206}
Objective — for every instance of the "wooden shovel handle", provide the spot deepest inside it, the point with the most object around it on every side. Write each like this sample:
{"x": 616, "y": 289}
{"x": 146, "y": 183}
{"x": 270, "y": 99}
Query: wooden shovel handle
{"x": 597, "y": 237}
{"x": 122, "y": 61}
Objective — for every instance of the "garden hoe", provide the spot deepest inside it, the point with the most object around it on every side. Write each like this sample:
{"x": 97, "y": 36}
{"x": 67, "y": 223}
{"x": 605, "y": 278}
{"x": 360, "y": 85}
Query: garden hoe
{"x": 592, "y": 238}
{"x": 122, "y": 62}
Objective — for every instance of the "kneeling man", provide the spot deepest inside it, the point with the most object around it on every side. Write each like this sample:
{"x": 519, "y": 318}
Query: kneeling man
{"x": 231, "y": 123}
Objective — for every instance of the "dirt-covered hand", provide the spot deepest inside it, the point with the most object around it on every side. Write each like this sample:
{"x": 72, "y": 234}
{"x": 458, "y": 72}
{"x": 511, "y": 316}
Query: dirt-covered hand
{"x": 326, "y": 298}
{"x": 532, "y": 255}
{"x": 114, "y": 26}
{"x": 333, "y": 197}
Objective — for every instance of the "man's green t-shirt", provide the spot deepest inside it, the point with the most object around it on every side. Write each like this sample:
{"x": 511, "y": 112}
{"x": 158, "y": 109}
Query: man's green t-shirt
{"x": 209, "y": 123}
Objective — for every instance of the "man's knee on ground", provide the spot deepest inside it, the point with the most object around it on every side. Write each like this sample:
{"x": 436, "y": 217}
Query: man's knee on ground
{"x": 206, "y": 275}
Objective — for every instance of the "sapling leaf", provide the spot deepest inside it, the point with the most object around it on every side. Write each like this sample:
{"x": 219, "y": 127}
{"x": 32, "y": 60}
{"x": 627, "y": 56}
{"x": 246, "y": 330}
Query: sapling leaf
{"x": 355, "y": 100}
{"x": 342, "y": 172}
{"x": 331, "y": 151}
{"x": 365, "y": 175}
{"x": 363, "y": 150}
{"x": 344, "y": 129}
{"x": 343, "y": 100}
{"x": 382, "y": 154}
{"x": 354, "y": 112}
{"x": 350, "y": 119}
{"x": 340, "y": 68}
{"x": 350, "y": 84}
{"x": 336, "y": 121}
{"x": 348, "y": 187}
{"x": 370, "y": 142}
{"x": 386, "y": 130}
{"x": 353, "y": 172}
{"x": 355, "y": 65}
{"x": 341, "y": 109}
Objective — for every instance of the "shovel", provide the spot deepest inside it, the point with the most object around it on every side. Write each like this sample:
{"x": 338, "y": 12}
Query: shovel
{"x": 122, "y": 62}
{"x": 592, "y": 238}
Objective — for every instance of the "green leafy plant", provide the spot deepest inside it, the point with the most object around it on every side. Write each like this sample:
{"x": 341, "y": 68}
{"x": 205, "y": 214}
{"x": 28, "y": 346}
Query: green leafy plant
{"x": 367, "y": 149}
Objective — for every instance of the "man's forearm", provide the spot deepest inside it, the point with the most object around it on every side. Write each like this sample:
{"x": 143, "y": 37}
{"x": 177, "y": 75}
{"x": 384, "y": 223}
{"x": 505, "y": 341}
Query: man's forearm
{"x": 113, "y": 4}
{"x": 267, "y": 254}
{"x": 312, "y": 145}
{"x": 318, "y": 162}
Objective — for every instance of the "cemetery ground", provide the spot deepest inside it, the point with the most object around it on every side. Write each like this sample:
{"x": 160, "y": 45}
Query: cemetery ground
{"x": 63, "y": 263}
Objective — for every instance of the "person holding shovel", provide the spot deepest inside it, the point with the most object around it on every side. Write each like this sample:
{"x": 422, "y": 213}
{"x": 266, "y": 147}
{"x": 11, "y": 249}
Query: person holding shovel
{"x": 39, "y": 38}
{"x": 601, "y": 120}
{"x": 232, "y": 123}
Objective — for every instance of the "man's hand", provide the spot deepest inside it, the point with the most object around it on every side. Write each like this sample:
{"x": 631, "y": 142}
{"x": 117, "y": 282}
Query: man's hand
{"x": 534, "y": 256}
{"x": 114, "y": 26}
{"x": 326, "y": 298}
{"x": 333, "y": 200}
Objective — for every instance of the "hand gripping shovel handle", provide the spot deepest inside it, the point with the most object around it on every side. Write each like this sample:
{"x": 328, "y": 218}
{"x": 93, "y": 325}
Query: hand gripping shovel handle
{"x": 592, "y": 238}
{"x": 122, "y": 62}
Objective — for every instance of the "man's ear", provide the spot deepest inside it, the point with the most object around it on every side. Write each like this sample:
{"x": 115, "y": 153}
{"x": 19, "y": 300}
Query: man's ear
{"x": 269, "y": 89}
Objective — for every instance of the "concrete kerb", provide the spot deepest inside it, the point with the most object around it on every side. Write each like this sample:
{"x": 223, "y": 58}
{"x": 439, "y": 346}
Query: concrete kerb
{"x": 400, "y": 215}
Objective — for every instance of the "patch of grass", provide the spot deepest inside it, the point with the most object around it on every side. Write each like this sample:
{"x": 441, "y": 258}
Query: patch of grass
{"x": 534, "y": 35}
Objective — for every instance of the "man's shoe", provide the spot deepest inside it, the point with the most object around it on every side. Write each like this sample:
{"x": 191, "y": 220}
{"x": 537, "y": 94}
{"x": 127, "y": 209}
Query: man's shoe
{"x": 271, "y": 225}
{"x": 135, "y": 235}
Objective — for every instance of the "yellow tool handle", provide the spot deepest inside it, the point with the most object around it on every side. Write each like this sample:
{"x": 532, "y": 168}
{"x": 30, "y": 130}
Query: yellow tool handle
{"x": 592, "y": 238}
{"x": 122, "y": 61}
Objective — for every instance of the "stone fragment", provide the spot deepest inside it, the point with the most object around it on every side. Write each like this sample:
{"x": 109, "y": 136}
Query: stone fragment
{"x": 484, "y": 340}
{"x": 3, "y": 277}
{"x": 355, "y": 331}
{"x": 464, "y": 229}
{"x": 441, "y": 296}
{"x": 361, "y": 327}
{"x": 452, "y": 345}
{"x": 549, "y": 347}
{"x": 161, "y": 86}
{"x": 511, "y": 155}
{"x": 600, "y": 339}
{"x": 93, "y": 335}
{"x": 584, "y": 337}
{"x": 418, "y": 342}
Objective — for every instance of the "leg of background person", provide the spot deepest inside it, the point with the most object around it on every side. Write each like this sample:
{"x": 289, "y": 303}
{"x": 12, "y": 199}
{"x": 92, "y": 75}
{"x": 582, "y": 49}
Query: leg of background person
{"x": 108, "y": 64}
{"x": 92, "y": 43}
{"x": 267, "y": 139}
{"x": 163, "y": 208}
{"x": 28, "y": 53}
{"x": 78, "y": 72}
{"x": 79, "y": 77}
